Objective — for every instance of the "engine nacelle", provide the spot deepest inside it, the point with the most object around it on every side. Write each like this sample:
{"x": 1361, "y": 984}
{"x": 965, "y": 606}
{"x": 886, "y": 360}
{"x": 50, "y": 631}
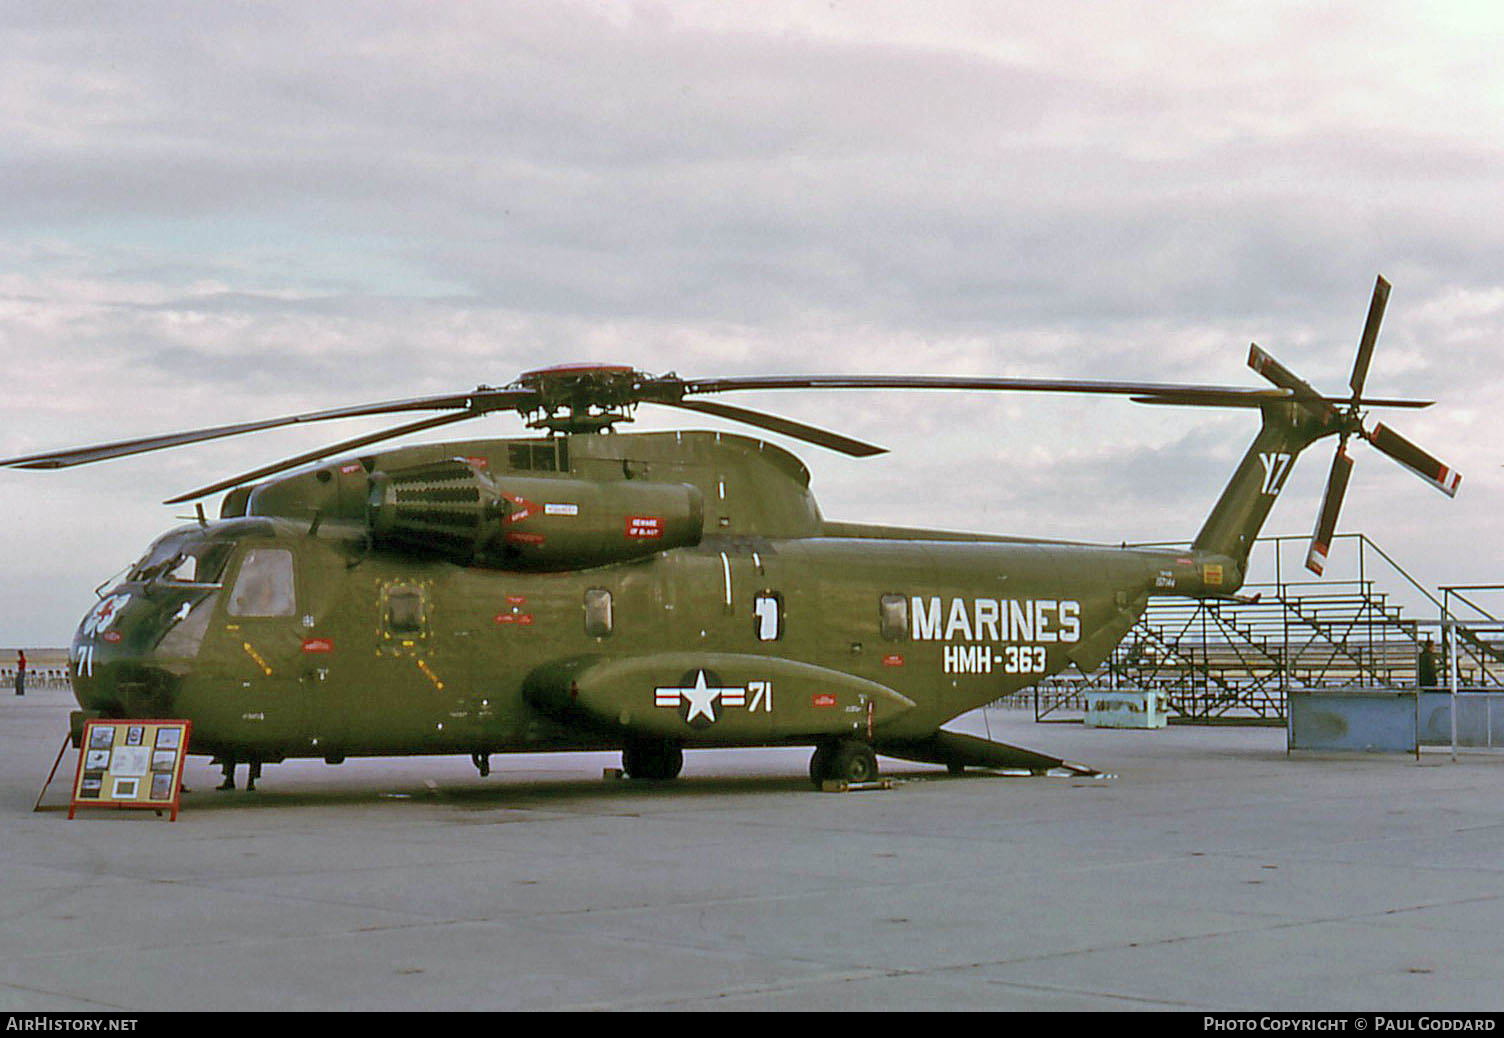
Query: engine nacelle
{"x": 455, "y": 510}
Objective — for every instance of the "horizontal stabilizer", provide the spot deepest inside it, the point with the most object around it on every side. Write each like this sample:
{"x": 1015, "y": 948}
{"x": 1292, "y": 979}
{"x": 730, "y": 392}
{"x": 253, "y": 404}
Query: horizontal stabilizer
{"x": 954, "y": 749}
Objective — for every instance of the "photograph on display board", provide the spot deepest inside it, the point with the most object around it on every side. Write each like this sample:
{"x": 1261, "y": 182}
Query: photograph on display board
{"x": 161, "y": 786}
{"x": 131, "y": 760}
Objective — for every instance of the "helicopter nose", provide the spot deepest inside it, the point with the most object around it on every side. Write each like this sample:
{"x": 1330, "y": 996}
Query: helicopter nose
{"x": 116, "y": 667}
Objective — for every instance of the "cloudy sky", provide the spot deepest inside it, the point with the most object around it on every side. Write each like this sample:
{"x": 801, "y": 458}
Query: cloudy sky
{"x": 220, "y": 212}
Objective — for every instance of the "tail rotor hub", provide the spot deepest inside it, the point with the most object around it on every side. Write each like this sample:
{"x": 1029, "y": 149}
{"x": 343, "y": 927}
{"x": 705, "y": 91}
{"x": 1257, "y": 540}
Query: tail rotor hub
{"x": 1346, "y": 419}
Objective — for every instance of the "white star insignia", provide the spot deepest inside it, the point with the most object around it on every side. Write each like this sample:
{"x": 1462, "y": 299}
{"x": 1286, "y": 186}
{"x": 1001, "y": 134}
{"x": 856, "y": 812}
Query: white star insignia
{"x": 701, "y": 697}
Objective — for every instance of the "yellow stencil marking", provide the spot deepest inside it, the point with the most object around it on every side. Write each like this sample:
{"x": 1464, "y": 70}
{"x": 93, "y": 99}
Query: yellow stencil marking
{"x": 253, "y": 654}
{"x": 428, "y": 673}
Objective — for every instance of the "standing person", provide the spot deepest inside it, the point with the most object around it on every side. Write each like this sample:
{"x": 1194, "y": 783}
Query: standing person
{"x": 1426, "y": 666}
{"x": 20, "y": 672}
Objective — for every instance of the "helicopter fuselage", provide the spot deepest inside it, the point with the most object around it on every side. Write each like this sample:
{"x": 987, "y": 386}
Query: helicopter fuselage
{"x": 315, "y": 623}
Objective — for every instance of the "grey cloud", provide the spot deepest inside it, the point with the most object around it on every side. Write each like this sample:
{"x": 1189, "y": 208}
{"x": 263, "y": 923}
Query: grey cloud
{"x": 233, "y": 210}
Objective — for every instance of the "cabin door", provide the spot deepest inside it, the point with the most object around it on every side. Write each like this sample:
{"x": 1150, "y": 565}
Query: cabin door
{"x": 262, "y": 655}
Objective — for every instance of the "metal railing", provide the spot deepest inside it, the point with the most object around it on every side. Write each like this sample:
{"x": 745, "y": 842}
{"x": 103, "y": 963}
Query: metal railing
{"x": 1241, "y": 659}
{"x": 36, "y": 678}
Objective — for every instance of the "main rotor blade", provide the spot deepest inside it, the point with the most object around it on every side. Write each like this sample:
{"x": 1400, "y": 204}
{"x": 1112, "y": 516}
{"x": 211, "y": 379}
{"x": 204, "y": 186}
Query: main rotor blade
{"x": 1025, "y": 385}
{"x": 1430, "y": 469}
{"x": 786, "y": 426}
{"x": 1331, "y": 504}
{"x": 322, "y": 452}
{"x": 663, "y": 389}
{"x": 1260, "y": 397}
{"x": 477, "y": 402}
{"x": 1370, "y": 336}
{"x": 1211, "y": 397}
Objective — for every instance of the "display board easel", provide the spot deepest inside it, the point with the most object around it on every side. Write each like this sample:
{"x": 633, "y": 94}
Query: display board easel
{"x": 131, "y": 763}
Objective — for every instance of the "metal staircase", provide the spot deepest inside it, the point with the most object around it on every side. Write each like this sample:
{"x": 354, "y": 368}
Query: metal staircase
{"x": 1482, "y": 641}
{"x": 1240, "y": 660}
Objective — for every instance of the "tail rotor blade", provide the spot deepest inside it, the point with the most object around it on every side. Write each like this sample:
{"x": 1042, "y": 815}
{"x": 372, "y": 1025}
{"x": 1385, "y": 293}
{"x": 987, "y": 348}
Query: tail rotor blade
{"x": 1263, "y": 362}
{"x": 1326, "y": 523}
{"x": 1305, "y": 394}
{"x": 1370, "y": 336}
{"x": 1387, "y": 441}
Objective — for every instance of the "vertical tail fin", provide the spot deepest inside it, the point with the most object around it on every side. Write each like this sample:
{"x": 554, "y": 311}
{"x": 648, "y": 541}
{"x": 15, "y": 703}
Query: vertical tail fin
{"x": 1240, "y": 512}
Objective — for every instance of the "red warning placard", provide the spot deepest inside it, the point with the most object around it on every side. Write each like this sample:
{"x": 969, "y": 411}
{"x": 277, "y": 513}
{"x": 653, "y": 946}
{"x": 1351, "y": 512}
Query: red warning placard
{"x": 644, "y": 527}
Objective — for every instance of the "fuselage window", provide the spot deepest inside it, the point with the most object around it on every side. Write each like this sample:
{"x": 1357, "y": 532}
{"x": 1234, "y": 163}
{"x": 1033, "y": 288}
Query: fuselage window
{"x": 893, "y": 614}
{"x": 404, "y": 611}
{"x": 767, "y": 616}
{"x": 264, "y": 586}
{"x": 598, "y": 619}
{"x": 552, "y": 456}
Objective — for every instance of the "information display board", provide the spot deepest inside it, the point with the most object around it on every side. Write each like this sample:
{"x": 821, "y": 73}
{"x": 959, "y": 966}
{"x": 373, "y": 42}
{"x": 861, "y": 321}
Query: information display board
{"x": 131, "y": 763}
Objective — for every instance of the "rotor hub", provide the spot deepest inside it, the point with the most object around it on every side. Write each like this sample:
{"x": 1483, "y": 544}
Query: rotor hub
{"x": 581, "y": 398}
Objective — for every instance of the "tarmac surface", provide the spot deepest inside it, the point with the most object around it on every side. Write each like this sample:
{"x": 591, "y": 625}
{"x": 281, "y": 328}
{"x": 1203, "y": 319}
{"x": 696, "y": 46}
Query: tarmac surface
{"x": 1211, "y": 871}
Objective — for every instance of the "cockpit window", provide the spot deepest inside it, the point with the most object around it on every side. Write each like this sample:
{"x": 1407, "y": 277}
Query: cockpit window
{"x": 209, "y": 561}
{"x": 200, "y": 562}
{"x": 264, "y": 586}
{"x": 157, "y": 559}
{"x": 182, "y": 568}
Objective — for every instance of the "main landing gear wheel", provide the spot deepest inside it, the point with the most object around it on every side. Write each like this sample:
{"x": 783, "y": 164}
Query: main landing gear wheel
{"x": 657, "y": 761}
{"x": 843, "y": 762}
